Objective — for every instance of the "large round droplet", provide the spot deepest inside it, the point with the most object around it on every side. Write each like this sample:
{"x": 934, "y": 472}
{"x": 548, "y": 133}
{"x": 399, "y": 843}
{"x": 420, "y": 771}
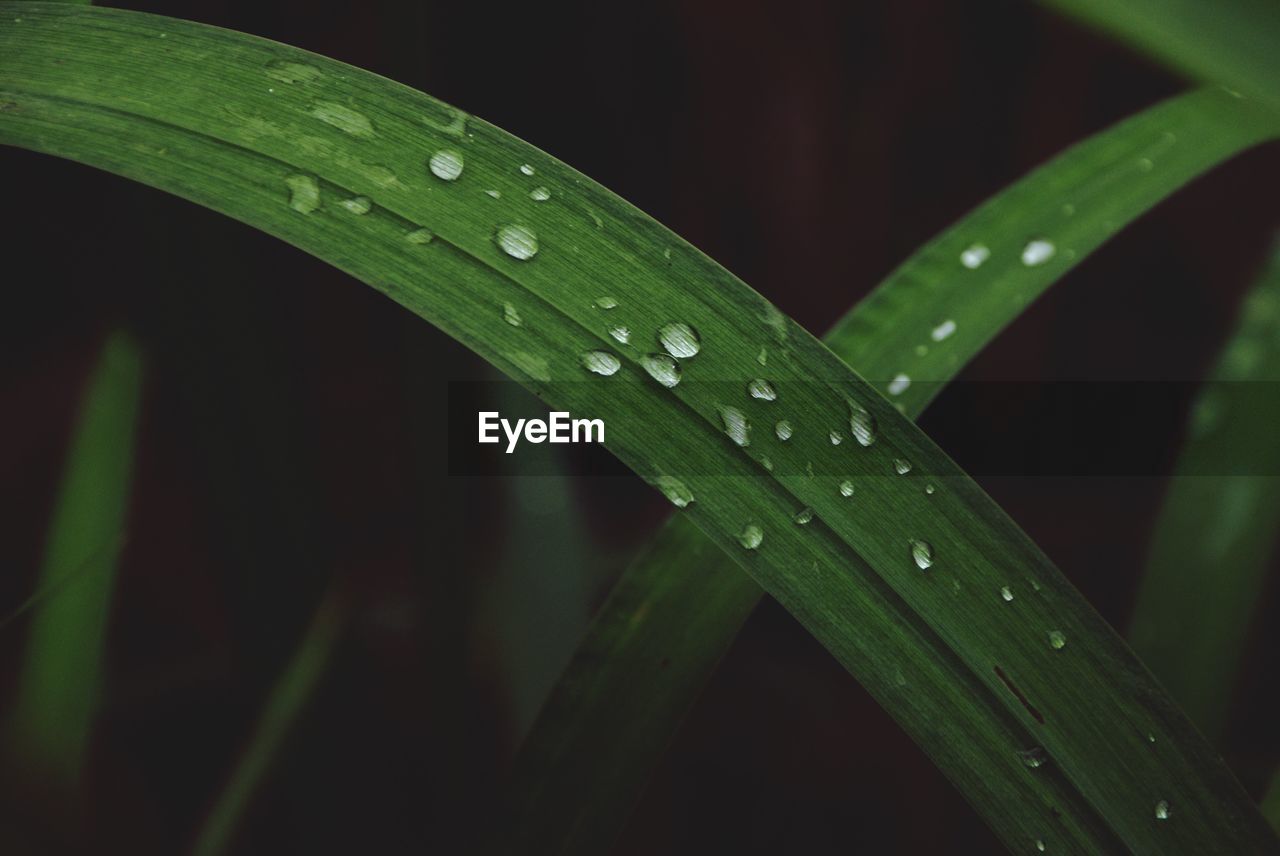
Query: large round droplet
{"x": 752, "y": 536}
{"x": 761, "y": 389}
{"x": 446, "y": 165}
{"x": 862, "y": 423}
{"x": 601, "y": 362}
{"x": 662, "y": 368}
{"x": 846, "y": 488}
{"x": 519, "y": 242}
{"x": 736, "y": 425}
{"x": 922, "y": 554}
{"x": 974, "y": 256}
{"x": 680, "y": 340}
{"x": 1038, "y": 252}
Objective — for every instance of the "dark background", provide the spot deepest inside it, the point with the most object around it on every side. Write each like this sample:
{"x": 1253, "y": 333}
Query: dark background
{"x": 293, "y": 418}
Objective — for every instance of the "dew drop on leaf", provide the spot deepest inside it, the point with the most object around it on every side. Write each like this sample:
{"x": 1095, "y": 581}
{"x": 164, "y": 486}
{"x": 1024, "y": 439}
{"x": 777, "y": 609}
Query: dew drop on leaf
{"x": 1038, "y": 252}
{"x": 761, "y": 389}
{"x": 763, "y": 357}
{"x": 343, "y": 118}
{"x": 419, "y": 236}
{"x": 836, "y": 438}
{"x": 357, "y": 204}
{"x": 862, "y": 423}
{"x": 901, "y": 466}
{"x": 525, "y": 169}
{"x": 662, "y": 368}
{"x": 601, "y": 362}
{"x": 974, "y": 256}
{"x": 1057, "y": 639}
{"x": 1006, "y": 594}
{"x": 292, "y": 72}
{"x": 606, "y": 303}
{"x": 1039, "y": 845}
{"x": 519, "y": 242}
{"x": 621, "y": 334}
{"x": 783, "y": 430}
{"x": 846, "y": 488}
{"x": 446, "y": 165}
{"x": 943, "y": 330}
{"x": 679, "y": 339}
{"x": 922, "y": 554}
{"x": 736, "y": 425}
{"x": 539, "y": 194}
{"x": 676, "y": 492}
{"x": 752, "y": 536}
{"x": 899, "y": 384}
{"x": 803, "y": 516}
{"x": 1033, "y": 757}
{"x": 511, "y": 315}
{"x": 304, "y": 193}
{"x": 1163, "y": 812}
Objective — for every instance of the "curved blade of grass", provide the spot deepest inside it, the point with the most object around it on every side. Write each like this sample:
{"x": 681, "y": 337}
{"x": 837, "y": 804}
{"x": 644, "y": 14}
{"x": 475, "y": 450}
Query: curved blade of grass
{"x": 61, "y": 675}
{"x": 290, "y": 142}
{"x": 1232, "y": 42}
{"x": 1217, "y": 528}
{"x": 289, "y": 698}
{"x": 676, "y": 610}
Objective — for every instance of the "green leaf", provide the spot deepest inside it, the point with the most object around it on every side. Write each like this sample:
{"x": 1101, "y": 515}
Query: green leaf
{"x": 61, "y": 677}
{"x": 294, "y": 143}
{"x": 677, "y": 609}
{"x": 289, "y": 698}
{"x": 1217, "y": 528}
{"x": 1232, "y": 42}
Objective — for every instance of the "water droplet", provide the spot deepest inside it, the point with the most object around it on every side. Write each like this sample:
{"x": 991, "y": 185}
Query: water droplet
{"x": 1151, "y": 738}
{"x": 343, "y": 118}
{"x": 736, "y": 425}
{"x": 1146, "y": 164}
{"x": 836, "y": 438}
{"x": 622, "y": 334}
{"x": 862, "y": 423}
{"x": 304, "y": 193}
{"x": 446, "y": 165}
{"x": 1006, "y": 593}
{"x": 899, "y": 384}
{"x": 675, "y": 491}
{"x": 606, "y": 303}
{"x": 292, "y": 72}
{"x": 533, "y": 365}
{"x": 901, "y": 466}
{"x": 782, "y": 430}
{"x": 930, "y": 489}
{"x": 525, "y": 169}
{"x": 752, "y": 536}
{"x": 601, "y": 362}
{"x": 666, "y": 254}
{"x": 922, "y": 553}
{"x": 539, "y": 194}
{"x": 357, "y": 204}
{"x": 511, "y": 315}
{"x": 1039, "y": 845}
{"x": 766, "y": 462}
{"x": 943, "y": 330}
{"x": 419, "y": 236}
{"x": 1033, "y": 757}
{"x": 973, "y": 257}
{"x": 679, "y": 339}
{"x": 493, "y": 194}
{"x": 846, "y": 488}
{"x": 662, "y": 368}
{"x": 1037, "y": 252}
{"x": 1163, "y": 812}
{"x": 519, "y": 242}
{"x": 763, "y": 357}
{"x": 761, "y": 389}
{"x": 803, "y": 516}
{"x": 1057, "y": 639}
